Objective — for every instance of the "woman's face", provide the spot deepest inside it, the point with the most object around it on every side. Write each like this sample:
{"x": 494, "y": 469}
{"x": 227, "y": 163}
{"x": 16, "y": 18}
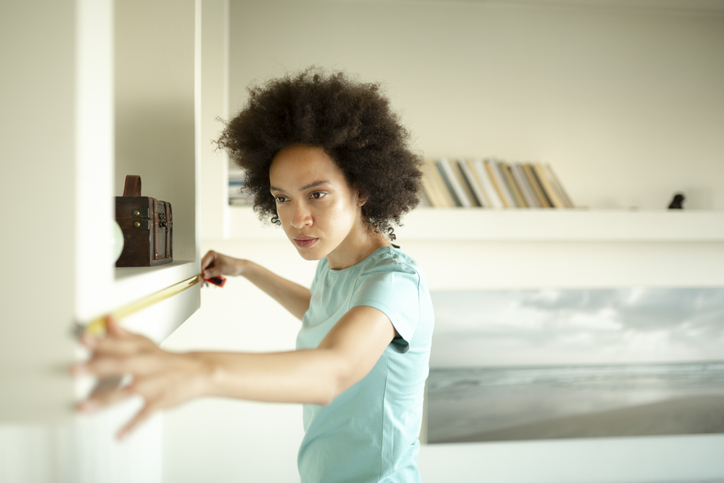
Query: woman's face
{"x": 320, "y": 213}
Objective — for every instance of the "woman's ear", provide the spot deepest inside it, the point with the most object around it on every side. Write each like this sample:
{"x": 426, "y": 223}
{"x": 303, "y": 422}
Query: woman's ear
{"x": 361, "y": 199}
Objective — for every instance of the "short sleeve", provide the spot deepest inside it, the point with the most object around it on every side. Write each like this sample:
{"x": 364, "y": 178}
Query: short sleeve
{"x": 394, "y": 289}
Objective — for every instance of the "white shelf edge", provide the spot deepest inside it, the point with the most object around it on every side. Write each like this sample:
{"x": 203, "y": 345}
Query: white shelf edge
{"x": 133, "y": 283}
{"x": 526, "y": 225}
{"x": 563, "y": 225}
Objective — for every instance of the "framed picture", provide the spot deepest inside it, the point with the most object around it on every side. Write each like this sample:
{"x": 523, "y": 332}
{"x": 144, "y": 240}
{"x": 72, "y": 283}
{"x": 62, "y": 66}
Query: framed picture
{"x": 514, "y": 365}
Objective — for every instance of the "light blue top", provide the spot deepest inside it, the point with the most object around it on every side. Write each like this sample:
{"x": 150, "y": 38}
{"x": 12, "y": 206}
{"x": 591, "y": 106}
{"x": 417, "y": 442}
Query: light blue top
{"x": 369, "y": 433}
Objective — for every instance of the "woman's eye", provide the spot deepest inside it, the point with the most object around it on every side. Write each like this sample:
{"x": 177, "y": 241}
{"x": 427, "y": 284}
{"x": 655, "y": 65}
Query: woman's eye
{"x": 317, "y": 194}
{"x": 280, "y": 199}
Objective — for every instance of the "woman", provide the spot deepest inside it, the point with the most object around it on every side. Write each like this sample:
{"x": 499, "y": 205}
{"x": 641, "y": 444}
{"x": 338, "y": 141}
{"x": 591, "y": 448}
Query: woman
{"x": 326, "y": 159}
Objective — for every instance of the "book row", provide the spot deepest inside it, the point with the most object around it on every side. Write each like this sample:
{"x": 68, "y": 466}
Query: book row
{"x": 491, "y": 183}
{"x": 236, "y": 197}
{"x": 487, "y": 183}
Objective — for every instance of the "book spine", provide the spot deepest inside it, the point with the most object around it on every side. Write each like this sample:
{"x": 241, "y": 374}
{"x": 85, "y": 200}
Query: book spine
{"x": 514, "y": 188}
{"x": 456, "y": 187}
{"x": 488, "y": 187}
{"x": 525, "y": 188}
{"x": 457, "y": 169}
{"x": 468, "y": 182}
{"x": 468, "y": 168}
{"x": 423, "y": 200}
{"x": 554, "y": 186}
{"x": 550, "y": 192}
{"x": 448, "y": 182}
{"x": 237, "y": 196}
{"x": 496, "y": 183}
{"x": 497, "y": 176}
{"x": 428, "y": 187}
{"x": 557, "y": 184}
{"x": 438, "y": 184}
{"x": 543, "y": 200}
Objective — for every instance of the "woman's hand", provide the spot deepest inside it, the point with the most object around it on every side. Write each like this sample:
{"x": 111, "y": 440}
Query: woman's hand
{"x": 164, "y": 379}
{"x": 215, "y": 263}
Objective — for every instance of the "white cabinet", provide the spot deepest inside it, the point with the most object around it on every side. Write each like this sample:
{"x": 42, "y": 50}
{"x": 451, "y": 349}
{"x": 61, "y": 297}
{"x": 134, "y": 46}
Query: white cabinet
{"x": 92, "y": 90}
{"x": 109, "y": 91}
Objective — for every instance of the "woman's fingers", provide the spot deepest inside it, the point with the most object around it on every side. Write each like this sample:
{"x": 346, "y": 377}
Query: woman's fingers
{"x": 114, "y": 328}
{"x": 111, "y": 397}
{"x": 139, "y": 418}
{"x": 106, "y": 398}
{"x": 207, "y": 259}
{"x": 209, "y": 264}
{"x": 161, "y": 378}
{"x": 118, "y": 345}
{"x": 114, "y": 347}
{"x": 215, "y": 263}
{"x": 113, "y": 331}
{"x": 113, "y": 365}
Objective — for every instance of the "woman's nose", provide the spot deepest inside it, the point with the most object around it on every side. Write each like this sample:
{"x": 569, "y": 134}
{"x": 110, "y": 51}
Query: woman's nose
{"x": 301, "y": 216}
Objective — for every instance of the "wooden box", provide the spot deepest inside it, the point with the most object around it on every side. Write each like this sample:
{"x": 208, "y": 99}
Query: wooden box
{"x": 147, "y": 226}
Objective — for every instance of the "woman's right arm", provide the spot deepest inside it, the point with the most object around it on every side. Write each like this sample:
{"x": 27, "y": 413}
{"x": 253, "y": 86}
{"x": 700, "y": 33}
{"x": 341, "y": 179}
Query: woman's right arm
{"x": 292, "y": 296}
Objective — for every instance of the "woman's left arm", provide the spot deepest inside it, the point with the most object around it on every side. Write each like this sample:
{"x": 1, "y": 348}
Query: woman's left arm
{"x": 165, "y": 379}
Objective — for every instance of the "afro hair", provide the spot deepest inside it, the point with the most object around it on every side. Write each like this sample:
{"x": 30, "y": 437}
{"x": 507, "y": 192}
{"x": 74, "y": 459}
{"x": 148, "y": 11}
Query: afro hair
{"x": 350, "y": 120}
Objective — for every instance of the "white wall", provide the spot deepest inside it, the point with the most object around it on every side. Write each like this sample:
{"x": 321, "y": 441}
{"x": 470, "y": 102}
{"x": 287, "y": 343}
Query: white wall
{"x": 624, "y": 103}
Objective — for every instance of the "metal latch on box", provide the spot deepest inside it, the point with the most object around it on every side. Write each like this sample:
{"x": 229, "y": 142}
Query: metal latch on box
{"x": 142, "y": 213}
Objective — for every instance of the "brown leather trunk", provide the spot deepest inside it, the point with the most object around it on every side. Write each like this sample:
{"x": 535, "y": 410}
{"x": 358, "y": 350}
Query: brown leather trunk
{"x": 147, "y": 226}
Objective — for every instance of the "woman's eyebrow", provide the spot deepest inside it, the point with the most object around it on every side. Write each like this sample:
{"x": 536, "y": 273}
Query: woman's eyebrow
{"x": 310, "y": 185}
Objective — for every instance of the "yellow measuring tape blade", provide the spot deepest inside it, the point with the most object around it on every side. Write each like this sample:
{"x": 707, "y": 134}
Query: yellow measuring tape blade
{"x": 98, "y": 326}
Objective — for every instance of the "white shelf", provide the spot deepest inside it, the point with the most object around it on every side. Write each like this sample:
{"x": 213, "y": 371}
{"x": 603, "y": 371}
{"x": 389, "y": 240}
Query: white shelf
{"x": 458, "y": 224}
{"x": 133, "y": 283}
{"x": 563, "y": 225}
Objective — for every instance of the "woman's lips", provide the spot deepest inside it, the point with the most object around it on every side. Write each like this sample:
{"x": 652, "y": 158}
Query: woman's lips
{"x": 305, "y": 242}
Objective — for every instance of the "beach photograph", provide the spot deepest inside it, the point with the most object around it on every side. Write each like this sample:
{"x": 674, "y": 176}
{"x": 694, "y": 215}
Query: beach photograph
{"x": 512, "y": 365}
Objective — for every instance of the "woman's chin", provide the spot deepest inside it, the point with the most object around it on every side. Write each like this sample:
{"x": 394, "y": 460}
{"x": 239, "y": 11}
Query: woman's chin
{"x": 310, "y": 254}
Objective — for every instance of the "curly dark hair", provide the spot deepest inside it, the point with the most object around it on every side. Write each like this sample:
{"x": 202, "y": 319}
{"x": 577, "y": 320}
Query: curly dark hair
{"x": 350, "y": 120}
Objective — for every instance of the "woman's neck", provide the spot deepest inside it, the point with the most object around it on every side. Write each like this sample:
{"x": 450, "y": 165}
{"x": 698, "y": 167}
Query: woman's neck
{"x": 358, "y": 245}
